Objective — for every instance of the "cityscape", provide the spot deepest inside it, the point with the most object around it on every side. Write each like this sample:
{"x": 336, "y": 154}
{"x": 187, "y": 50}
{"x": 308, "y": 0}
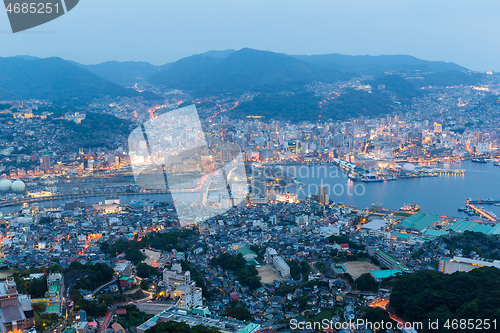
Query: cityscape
{"x": 246, "y": 191}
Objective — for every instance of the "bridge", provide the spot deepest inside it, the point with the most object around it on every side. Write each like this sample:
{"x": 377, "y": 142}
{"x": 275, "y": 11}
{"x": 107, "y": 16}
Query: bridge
{"x": 99, "y": 289}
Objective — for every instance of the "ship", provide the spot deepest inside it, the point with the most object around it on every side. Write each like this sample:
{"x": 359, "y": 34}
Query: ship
{"x": 413, "y": 208}
{"x": 478, "y": 160}
{"x": 370, "y": 177}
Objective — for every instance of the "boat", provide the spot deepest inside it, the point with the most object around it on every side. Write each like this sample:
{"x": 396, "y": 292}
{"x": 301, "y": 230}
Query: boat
{"x": 370, "y": 177}
{"x": 413, "y": 208}
{"x": 478, "y": 160}
{"x": 471, "y": 212}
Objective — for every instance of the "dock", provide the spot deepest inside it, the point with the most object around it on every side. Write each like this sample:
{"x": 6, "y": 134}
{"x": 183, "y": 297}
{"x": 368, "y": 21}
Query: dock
{"x": 483, "y": 202}
{"x": 482, "y": 212}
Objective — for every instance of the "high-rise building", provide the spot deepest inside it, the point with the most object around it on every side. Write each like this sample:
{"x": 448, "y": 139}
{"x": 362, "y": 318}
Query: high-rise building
{"x": 323, "y": 194}
{"x": 179, "y": 285}
{"x": 16, "y": 312}
{"x": 258, "y": 184}
{"x": 46, "y": 163}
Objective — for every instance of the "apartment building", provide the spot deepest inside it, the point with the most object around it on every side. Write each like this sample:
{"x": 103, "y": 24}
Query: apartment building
{"x": 461, "y": 264}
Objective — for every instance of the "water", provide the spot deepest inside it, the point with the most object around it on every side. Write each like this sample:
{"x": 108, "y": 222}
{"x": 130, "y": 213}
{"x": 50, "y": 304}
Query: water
{"x": 441, "y": 195}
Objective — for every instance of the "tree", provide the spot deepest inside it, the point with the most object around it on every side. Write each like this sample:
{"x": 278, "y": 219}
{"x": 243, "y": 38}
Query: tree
{"x": 144, "y": 285}
{"x": 37, "y": 287}
{"x": 428, "y": 296}
{"x": 366, "y": 282}
{"x": 376, "y": 315}
{"x": 247, "y": 274}
{"x": 144, "y": 270}
{"x": 104, "y": 247}
{"x": 39, "y": 307}
{"x": 134, "y": 255}
{"x": 238, "y": 311}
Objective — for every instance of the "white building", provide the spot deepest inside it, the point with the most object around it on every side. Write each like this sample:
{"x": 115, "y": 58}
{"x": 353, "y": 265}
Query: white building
{"x": 180, "y": 287}
{"x": 282, "y": 267}
{"x": 270, "y": 254}
{"x": 287, "y": 197}
{"x": 461, "y": 264}
{"x": 174, "y": 277}
{"x": 302, "y": 220}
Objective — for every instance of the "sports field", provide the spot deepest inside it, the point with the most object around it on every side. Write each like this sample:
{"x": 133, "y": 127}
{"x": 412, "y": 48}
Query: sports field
{"x": 356, "y": 268}
{"x": 268, "y": 274}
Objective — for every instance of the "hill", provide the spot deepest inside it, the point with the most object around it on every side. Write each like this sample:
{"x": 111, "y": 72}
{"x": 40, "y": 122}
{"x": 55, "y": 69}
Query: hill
{"x": 241, "y": 71}
{"x": 56, "y": 80}
{"x": 124, "y": 73}
{"x": 282, "y": 107}
{"x": 371, "y": 65}
{"x": 96, "y": 130}
{"x": 428, "y": 296}
{"x": 304, "y": 106}
{"x": 449, "y": 78}
{"x": 486, "y": 246}
{"x": 403, "y": 89}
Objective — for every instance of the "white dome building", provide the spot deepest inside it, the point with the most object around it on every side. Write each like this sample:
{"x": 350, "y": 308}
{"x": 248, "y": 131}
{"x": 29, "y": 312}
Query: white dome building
{"x": 18, "y": 186}
{"x": 5, "y": 185}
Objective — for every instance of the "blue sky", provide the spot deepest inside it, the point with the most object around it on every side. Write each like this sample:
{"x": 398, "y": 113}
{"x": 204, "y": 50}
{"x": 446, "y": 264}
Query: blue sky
{"x": 161, "y": 31}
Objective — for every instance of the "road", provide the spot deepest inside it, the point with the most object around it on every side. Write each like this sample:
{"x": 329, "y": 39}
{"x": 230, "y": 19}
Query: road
{"x": 112, "y": 310}
{"x": 98, "y": 289}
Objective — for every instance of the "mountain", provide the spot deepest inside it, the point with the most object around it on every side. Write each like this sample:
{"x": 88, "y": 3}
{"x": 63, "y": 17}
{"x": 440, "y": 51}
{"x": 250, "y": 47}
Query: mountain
{"x": 218, "y": 54}
{"x": 230, "y": 71}
{"x": 26, "y": 57}
{"x": 217, "y": 73}
{"x": 378, "y": 64}
{"x": 241, "y": 71}
{"x": 128, "y": 73}
{"x": 56, "y": 80}
{"x": 123, "y": 73}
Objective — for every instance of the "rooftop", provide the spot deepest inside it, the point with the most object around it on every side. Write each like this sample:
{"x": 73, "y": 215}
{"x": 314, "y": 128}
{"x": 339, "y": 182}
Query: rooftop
{"x": 419, "y": 221}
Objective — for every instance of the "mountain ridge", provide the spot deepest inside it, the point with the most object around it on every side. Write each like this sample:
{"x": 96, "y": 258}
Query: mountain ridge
{"x": 57, "y": 80}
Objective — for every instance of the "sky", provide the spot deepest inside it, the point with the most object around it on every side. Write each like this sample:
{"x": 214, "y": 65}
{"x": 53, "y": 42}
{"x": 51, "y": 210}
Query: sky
{"x": 162, "y": 31}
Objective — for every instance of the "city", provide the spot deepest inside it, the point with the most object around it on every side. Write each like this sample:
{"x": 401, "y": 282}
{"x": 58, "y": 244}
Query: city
{"x": 149, "y": 186}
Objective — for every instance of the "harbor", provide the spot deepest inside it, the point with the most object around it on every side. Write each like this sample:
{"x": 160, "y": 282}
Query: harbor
{"x": 379, "y": 172}
{"x": 440, "y": 195}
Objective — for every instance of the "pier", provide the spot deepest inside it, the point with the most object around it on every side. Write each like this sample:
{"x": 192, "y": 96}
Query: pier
{"x": 482, "y": 212}
{"x": 483, "y": 202}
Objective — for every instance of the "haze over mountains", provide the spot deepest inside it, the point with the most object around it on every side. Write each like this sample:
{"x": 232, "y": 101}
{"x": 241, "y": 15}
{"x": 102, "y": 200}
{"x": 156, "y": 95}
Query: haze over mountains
{"x": 57, "y": 80}
{"x": 211, "y": 73}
